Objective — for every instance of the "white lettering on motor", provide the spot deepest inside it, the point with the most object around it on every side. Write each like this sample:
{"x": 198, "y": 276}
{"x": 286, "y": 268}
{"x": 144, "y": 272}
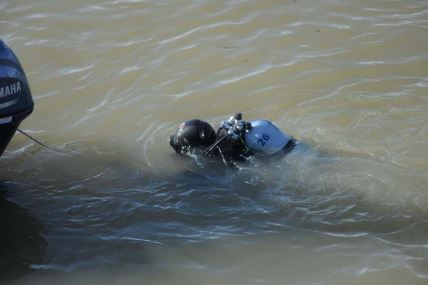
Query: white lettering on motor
{"x": 10, "y": 89}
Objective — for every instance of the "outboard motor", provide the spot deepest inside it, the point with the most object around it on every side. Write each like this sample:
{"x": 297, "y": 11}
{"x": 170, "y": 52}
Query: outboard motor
{"x": 16, "y": 102}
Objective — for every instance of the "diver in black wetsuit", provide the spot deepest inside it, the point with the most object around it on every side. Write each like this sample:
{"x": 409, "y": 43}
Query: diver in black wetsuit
{"x": 235, "y": 140}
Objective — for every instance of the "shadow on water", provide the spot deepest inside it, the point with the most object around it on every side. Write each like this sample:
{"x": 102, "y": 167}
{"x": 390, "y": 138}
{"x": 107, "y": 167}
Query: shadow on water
{"x": 21, "y": 241}
{"x": 333, "y": 194}
{"x": 116, "y": 213}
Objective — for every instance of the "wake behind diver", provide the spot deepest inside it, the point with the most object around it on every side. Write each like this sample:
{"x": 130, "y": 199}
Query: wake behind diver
{"x": 235, "y": 140}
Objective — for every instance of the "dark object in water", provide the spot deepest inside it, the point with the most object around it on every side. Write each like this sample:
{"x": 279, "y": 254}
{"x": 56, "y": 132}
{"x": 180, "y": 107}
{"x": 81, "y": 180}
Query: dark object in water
{"x": 16, "y": 102}
{"x": 235, "y": 141}
{"x": 192, "y": 134}
{"x": 21, "y": 240}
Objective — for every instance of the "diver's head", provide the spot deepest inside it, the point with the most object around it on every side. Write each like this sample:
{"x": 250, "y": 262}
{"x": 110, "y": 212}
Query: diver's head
{"x": 192, "y": 134}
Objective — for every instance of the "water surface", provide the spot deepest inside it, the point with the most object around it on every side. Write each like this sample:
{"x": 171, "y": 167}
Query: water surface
{"x": 113, "y": 204}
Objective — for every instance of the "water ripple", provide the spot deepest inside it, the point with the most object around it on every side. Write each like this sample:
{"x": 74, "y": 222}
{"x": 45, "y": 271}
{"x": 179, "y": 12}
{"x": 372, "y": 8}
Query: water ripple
{"x": 112, "y": 80}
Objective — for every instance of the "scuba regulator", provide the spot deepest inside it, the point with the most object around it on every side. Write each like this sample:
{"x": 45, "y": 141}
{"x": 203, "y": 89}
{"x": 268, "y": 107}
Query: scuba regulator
{"x": 230, "y": 143}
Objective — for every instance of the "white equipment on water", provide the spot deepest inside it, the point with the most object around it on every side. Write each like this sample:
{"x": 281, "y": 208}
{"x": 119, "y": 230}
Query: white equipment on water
{"x": 265, "y": 138}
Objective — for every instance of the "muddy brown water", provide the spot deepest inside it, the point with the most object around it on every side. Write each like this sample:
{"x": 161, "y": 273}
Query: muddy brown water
{"x": 113, "y": 204}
